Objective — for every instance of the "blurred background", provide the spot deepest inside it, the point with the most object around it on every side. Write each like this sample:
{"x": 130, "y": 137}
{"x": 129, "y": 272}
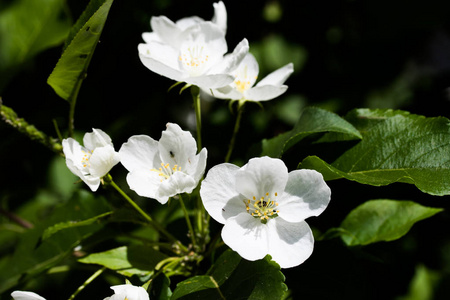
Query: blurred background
{"x": 346, "y": 53}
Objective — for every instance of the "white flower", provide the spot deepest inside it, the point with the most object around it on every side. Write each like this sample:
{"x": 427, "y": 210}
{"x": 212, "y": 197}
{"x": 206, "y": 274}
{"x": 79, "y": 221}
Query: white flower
{"x": 160, "y": 170}
{"x": 263, "y": 208}
{"x": 245, "y": 77}
{"x": 94, "y": 160}
{"x": 21, "y": 295}
{"x": 192, "y": 50}
{"x": 128, "y": 292}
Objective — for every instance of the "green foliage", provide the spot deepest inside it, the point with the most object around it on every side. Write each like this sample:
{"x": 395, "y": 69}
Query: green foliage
{"x": 71, "y": 69}
{"x": 34, "y": 255}
{"x": 312, "y": 121}
{"x": 382, "y": 220}
{"x": 28, "y": 27}
{"x": 232, "y": 277}
{"x": 396, "y": 147}
{"x": 127, "y": 260}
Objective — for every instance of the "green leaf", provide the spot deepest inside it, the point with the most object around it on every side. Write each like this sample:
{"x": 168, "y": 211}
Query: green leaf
{"x": 423, "y": 284}
{"x": 127, "y": 260}
{"x": 34, "y": 255}
{"x": 70, "y": 224}
{"x": 313, "y": 120}
{"x": 28, "y": 27}
{"x": 71, "y": 68}
{"x": 396, "y": 147}
{"x": 234, "y": 278}
{"x": 160, "y": 287}
{"x": 382, "y": 220}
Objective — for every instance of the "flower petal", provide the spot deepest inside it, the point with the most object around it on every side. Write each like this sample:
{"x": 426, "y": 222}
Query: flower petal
{"x": 220, "y": 15}
{"x": 231, "y": 61}
{"x": 247, "y": 236}
{"x": 265, "y": 92}
{"x": 277, "y": 77}
{"x": 210, "y": 81}
{"x": 177, "y": 183}
{"x": 176, "y": 146}
{"x": 260, "y": 176}
{"x": 290, "y": 244}
{"x": 128, "y": 291}
{"x": 145, "y": 183}
{"x": 102, "y": 160}
{"x": 197, "y": 165}
{"x": 306, "y": 195}
{"x": 140, "y": 151}
{"x": 218, "y": 189}
{"x": 167, "y": 31}
{"x": 23, "y": 295}
{"x": 96, "y": 138}
{"x": 160, "y": 59}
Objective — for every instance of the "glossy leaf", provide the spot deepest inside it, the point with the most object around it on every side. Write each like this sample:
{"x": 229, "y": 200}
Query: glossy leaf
{"x": 235, "y": 278}
{"x": 382, "y": 220}
{"x": 396, "y": 147}
{"x": 28, "y": 27}
{"x": 312, "y": 121}
{"x": 127, "y": 260}
{"x": 71, "y": 68}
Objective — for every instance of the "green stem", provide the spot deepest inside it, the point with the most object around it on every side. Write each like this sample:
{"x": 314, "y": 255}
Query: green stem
{"x": 89, "y": 280}
{"x": 188, "y": 221}
{"x": 73, "y": 101}
{"x": 154, "y": 224}
{"x": 195, "y": 91}
{"x": 237, "y": 124}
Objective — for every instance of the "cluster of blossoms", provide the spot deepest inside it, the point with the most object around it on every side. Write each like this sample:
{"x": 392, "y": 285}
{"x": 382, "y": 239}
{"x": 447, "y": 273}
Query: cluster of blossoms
{"x": 263, "y": 206}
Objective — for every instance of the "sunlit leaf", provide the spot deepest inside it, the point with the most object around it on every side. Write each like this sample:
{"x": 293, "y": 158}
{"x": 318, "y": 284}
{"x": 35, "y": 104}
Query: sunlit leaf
{"x": 382, "y": 220}
{"x": 312, "y": 121}
{"x": 127, "y": 260}
{"x": 71, "y": 68}
{"x": 28, "y": 27}
{"x": 396, "y": 147}
{"x": 232, "y": 277}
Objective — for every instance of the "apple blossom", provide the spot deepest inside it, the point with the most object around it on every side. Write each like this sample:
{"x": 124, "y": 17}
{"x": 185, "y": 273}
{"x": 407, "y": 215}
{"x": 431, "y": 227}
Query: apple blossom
{"x": 263, "y": 208}
{"x": 160, "y": 170}
{"x": 22, "y": 295}
{"x": 192, "y": 50}
{"x": 128, "y": 292}
{"x": 242, "y": 88}
{"x": 94, "y": 160}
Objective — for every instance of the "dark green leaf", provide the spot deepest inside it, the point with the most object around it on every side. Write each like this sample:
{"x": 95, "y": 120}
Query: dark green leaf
{"x": 234, "y": 278}
{"x": 127, "y": 260}
{"x": 71, "y": 68}
{"x": 28, "y": 27}
{"x": 312, "y": 121}
{"x": 382, "y": 220}
{"x": 396, "y": 147}
{"x": 160, "y": 288}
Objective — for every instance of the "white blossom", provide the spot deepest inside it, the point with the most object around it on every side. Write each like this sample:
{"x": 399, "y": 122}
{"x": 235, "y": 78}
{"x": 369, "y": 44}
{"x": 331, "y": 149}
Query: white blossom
{"x": 23, "y": 295}
{"x": 164, "y": 168}
{"x": 93, "y": 160}
{"x": 128, "y": 292}
{"x": 263, "y": 208}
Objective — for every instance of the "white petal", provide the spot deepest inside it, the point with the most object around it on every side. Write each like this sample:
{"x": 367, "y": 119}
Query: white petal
{"x": 176, "y": 146}
{"x": 290, "y": 244}
{"x": 220, "y": 15}
{"x": 210, "y": 81}
{"x": 129, "y": 292}
{"x": 145, "y": 183}
{"x": 150, "y": 37}
{"x": 96, "y": 138}
{"x": 187, "y": 22}
{"x": 167, "y": 31}
{"x": 260, "y": 176}
{"x": 306, "y": 195}
{"x": 278, "y": 77}
{"x": 265, "y": 92}
{"x": 140, "y": 151}
{"x": 102, "y": 160}
{"x": 247, "y": 236}
{"x": 196, "y": 165}
{"x": 231, "y": 61}
{"x": 177, "y": 183}
{"x": 160, "y": 59}
{"x": 218, "y": 189}
{"x": 23, "y": 295}
{"x": 226, "y": 92}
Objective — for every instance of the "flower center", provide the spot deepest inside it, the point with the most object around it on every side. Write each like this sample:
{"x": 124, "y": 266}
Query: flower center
{"x": 165, "y": 171}
{"x": 85, "y": 159}
{"x": 194, "y": 59}
{"x": 242, "y": 80}
{"x": 263, "y": 208}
